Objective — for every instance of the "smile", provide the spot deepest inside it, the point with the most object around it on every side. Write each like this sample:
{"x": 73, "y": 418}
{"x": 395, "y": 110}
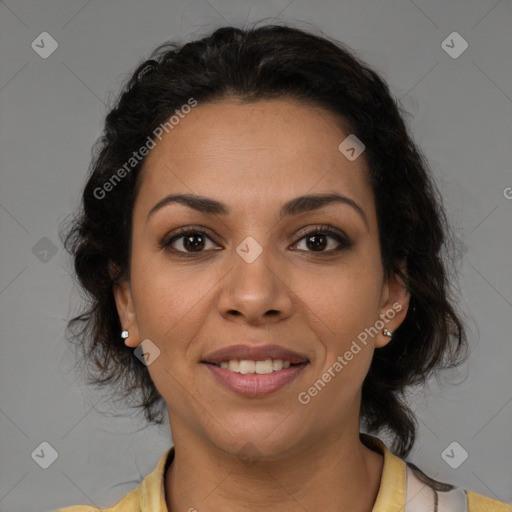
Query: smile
{"x": 255, "y": 378}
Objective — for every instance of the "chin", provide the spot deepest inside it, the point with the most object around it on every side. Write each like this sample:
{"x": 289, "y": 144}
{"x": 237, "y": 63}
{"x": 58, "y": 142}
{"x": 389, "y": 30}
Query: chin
{"x": 269, "y": 437}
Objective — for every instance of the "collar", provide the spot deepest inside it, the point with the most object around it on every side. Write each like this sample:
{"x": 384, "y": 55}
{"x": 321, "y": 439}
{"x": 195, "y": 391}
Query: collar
{"x": 390, "y": 498}
{"x": 152, "y": 496}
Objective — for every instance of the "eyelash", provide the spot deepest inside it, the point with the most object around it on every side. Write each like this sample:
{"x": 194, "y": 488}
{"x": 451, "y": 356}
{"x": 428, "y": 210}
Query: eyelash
{"x": 344, "y": 242}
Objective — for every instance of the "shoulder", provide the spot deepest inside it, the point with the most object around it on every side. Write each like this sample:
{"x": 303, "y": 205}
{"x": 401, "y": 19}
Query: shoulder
{"x": 148, "y": 497}
{"x": 425, "y": 491}
{"x": 479, "y": 503}
{"x": 406, "y": 487}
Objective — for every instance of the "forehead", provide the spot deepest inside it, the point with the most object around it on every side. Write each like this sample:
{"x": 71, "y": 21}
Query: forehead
{"x": 250, "y": 153}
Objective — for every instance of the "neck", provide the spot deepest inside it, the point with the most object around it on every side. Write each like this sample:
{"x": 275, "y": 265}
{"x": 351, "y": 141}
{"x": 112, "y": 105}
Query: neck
{"x": 316, "y": 475}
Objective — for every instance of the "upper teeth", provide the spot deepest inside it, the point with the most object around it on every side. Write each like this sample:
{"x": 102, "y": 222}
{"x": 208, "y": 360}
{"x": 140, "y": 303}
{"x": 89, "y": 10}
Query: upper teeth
{"x": 261, "y": 367}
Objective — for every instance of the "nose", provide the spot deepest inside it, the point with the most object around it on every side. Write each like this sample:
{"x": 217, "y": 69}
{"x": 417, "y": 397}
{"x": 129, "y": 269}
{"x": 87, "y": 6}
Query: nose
{"x": 256, "y": 292}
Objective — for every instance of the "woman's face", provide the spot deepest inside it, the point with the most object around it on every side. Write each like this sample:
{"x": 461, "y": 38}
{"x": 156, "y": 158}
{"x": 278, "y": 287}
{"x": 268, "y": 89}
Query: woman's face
{"x": 311, "y": 294}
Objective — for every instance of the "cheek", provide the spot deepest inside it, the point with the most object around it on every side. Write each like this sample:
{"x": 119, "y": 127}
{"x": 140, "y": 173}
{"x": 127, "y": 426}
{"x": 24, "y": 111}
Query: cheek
{"x": 338, "y": 311}
{"x": 344, "y": 300}
{"x": 168, "y": 313}
{"x": 167, "y": 306}
{"x": 339, "y": 306}
{"x": 163, "y": 291}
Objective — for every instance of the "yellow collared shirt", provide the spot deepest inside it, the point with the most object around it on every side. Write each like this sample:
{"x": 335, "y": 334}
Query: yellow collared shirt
{"x": 403, "y": 488}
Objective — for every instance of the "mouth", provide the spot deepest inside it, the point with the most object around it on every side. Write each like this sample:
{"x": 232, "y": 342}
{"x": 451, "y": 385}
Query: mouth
{"x": 248, "y": 366}
{"x": 255, "y": 384}
{"x": 249, "y": 358}
{"x": 255, "y": 371}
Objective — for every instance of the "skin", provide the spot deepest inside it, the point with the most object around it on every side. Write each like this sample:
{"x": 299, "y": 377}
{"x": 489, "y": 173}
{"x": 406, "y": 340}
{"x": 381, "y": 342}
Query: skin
{"x": 253, "y": 158}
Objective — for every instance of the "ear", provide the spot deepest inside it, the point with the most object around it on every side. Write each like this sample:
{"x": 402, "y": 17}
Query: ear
{"x": 394, "y": 305}
{"x": 126, "y": 311}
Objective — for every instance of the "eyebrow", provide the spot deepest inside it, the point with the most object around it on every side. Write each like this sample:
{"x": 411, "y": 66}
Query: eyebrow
{"x": 301, "y": 204}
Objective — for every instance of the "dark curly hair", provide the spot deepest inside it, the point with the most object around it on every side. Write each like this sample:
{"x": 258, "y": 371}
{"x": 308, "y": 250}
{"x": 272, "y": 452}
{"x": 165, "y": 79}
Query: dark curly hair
{"x": 260, "y": 63}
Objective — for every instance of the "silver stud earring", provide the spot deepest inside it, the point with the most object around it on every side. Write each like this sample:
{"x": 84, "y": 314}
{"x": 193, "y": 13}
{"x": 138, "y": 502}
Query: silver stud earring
{"x": 387, "y": 333}
{"x": 124, "y": 334}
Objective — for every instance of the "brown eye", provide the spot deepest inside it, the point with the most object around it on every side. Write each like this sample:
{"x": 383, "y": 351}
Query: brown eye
{"x": 193, "y": 242}
{"x": 317, "y": 240}
{"x": 187, "y": 242}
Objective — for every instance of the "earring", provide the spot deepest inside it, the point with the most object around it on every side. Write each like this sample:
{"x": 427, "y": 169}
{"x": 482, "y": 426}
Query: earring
{"x": 124, "y": 334}
{"x": 387, "y": 333}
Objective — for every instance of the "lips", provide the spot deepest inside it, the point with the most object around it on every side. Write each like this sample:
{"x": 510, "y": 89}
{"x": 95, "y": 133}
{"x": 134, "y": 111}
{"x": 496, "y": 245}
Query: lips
{"x": 253, "y": 385}
{"x": 254, "y": 353}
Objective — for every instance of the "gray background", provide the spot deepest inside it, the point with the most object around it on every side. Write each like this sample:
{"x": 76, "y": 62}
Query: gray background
{"x": 52, "y": 111}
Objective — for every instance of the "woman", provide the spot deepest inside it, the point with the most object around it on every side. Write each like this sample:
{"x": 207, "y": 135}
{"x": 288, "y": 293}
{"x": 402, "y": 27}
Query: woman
{"x": 263, "y": 234}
